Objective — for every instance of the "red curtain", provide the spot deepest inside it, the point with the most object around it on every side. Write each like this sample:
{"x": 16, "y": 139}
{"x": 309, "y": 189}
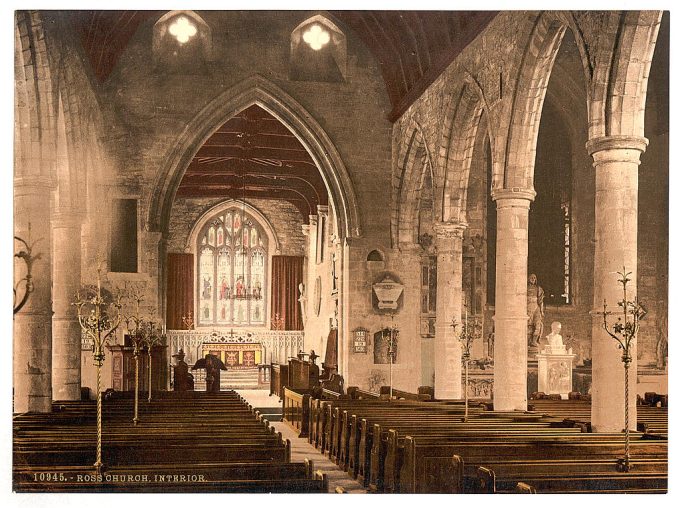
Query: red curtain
{"x": 180, "y": 289}
{"x": 286, "y": 277}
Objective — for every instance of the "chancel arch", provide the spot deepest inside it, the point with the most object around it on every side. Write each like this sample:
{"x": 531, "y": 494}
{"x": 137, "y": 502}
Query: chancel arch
{"x": 257, "y": 90}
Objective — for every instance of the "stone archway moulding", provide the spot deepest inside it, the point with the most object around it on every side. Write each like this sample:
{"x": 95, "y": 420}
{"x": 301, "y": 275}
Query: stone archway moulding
{"x": 256, "y": 90}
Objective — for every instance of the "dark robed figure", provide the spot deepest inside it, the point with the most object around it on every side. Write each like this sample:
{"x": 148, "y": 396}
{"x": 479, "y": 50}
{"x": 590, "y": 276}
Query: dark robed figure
{"x": 212, "y": 366}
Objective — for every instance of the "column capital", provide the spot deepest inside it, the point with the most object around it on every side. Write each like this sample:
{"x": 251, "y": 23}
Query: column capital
{"x": 313, "y": 220}
{"x": 450, "y": 229}
{"x": 305, "y": 229}
{"x": 634, "y": 144}
{"x": 322, "y": 210}
{"x": 514, "y": 193}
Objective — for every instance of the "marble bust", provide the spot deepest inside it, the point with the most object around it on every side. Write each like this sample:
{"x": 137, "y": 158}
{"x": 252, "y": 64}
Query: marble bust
{"x": 555, "y": 344}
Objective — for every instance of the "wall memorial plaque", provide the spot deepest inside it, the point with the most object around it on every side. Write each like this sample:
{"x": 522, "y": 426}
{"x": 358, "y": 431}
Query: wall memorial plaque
{"x": 361, "y": 340}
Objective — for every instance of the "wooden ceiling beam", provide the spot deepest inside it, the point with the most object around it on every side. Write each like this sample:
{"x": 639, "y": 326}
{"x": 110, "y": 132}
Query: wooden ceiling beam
{"x": 251, "y": 152}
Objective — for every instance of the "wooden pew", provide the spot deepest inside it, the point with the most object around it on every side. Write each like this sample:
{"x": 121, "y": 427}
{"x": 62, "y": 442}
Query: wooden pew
{"x": 371, "y": 441}
{"x": 420, "y": 453}
{"x": 217, "y": 436}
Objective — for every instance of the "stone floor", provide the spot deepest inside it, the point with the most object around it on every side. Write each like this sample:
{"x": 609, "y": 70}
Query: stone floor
{"x": 301, "y": 449}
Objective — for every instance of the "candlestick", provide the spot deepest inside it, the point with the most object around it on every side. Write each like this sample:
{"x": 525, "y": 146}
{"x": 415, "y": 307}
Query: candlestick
{"x": 99, "y": 324}
{"x": 625, "y": 334}
{"x": 137, "y": 334}
{"x": 151, "y": 339}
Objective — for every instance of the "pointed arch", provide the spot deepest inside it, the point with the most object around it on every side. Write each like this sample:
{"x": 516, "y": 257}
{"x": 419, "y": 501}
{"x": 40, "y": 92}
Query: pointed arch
{"x": 629, "y": 72}
{"x": 256, "y": 90}
{"x": 544, "y": 42}
{"x": 161, "y": 27}
{"x": 37, "y": 91}
{"x": 336, "y": 46}
{"x": 413, "y": 161}
{"x": 527, "y": 104}
{"x": 458, "y": 142}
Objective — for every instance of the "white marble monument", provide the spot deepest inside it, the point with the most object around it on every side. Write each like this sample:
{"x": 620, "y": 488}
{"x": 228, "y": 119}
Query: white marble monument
{"x": 555, "y": 364}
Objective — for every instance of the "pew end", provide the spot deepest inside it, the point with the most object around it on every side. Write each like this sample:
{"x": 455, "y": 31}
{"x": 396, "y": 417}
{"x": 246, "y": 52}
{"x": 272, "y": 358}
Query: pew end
{"x": 486, "y": 481}
{"x": 524, "y": 488}
{"x": 320, "y": 475}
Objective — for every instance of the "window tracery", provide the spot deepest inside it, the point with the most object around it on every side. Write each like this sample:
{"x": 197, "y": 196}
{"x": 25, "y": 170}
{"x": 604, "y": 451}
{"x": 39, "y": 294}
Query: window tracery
{"x": 232, "y": 252}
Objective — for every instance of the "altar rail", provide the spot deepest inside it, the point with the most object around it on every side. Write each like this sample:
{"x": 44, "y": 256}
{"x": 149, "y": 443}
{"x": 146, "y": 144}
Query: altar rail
{"x": 277, "y": 345}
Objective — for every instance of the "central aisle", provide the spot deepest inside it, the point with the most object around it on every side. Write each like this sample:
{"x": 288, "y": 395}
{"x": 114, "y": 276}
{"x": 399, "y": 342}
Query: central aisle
{"x": 300, "y": 448}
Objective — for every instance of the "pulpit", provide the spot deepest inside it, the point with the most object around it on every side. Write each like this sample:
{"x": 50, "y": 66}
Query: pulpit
{"x": 302, "y": 375}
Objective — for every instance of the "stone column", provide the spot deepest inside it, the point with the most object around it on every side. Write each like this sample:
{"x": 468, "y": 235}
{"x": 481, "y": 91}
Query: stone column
{"x": 65, "y": 327}
{"x": 616, "y": 160}
{"x": 447, "y": 348}
{"x": 510, "y": 320}
{"x": 32, "y": 359}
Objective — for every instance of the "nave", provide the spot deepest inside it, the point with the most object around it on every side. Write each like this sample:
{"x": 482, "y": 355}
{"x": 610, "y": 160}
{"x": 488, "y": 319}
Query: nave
{"x": 377, "y": 215}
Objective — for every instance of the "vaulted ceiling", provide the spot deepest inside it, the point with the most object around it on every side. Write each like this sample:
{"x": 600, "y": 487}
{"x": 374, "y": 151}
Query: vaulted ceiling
{"x": 253, "y": 155}
{"x": 412, "y": 47}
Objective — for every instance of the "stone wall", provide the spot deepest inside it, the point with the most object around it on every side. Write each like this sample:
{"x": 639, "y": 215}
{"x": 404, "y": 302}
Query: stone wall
{"x": 404, "y": 266}
{"x": 147, "y": 108}
{"x": 284, "y": 218}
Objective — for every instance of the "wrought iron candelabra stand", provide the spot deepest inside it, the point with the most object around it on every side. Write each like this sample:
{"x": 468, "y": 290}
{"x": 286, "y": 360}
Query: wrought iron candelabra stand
{"x": 470, "y": 331}
{"x": 391, "y": 348}
{"x": 136, "y": 328}
{"x": 99, "y": 320}
{"x": 624, "y": 332}
{"x": 26, "y": 254}
{"x": 155, "y": 336}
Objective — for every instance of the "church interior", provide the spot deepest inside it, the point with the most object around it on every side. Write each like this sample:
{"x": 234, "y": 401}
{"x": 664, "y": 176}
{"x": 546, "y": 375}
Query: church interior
{"x": 341, "y": 251}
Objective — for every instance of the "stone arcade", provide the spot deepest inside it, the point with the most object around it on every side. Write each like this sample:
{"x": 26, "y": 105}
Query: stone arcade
{"x": 266, "y": 178}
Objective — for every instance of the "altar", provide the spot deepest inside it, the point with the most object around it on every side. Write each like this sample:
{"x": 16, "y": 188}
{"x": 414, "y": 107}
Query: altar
{"x": 246, "y": 355}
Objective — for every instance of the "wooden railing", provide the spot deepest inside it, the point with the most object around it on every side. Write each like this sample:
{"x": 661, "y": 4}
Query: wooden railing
{"x": 296, "y": 410}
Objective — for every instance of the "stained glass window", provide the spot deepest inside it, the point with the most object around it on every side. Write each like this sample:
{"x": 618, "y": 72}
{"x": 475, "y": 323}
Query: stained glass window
{"x": 232, "y": 270}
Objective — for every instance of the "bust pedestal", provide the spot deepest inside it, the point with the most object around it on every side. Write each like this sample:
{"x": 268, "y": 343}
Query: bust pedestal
{"x": 555, "y": 366}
